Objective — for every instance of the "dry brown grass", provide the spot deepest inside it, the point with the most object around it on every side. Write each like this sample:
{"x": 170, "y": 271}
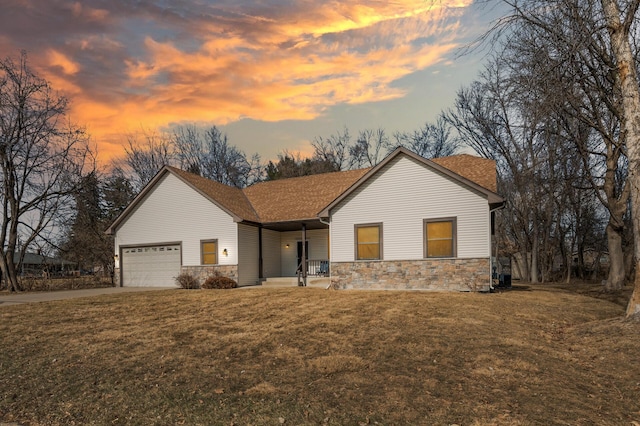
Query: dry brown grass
{"x": 309, "y": 356}
{"x": 65, "y": 283}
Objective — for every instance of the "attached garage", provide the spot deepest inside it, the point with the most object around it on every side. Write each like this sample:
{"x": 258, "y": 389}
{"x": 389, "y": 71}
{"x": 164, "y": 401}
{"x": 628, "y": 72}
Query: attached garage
{"x": 151, "y": 266}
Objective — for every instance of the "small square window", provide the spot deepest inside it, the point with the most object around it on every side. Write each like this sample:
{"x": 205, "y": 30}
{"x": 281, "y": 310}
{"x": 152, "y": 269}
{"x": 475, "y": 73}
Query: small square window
{"x": 368, "y": 242}
{"x": 209, "y": 252}
{"x": 440, "y": 237}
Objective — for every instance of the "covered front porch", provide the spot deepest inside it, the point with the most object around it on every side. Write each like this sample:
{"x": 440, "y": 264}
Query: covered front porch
{"x": 295, "y": 252}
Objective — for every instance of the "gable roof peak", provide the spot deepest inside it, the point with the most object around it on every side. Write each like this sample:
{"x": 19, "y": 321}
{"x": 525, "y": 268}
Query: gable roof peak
{"x": 463, "y": 168}
{"x": 303, "y": 197}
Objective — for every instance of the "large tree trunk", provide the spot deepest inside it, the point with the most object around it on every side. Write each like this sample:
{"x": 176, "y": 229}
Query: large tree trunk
{"x": 534, "y": 256}
{"x": 619, "y": 30}
{"x": 568, "y": 258}
{"x": 629, "y": 266}
{"x": 9, "y": 273}
{"x": 517, "y": 267}
{"x": 616, "y": 259}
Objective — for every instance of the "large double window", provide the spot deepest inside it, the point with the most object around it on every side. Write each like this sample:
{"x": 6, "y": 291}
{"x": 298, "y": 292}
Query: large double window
{"x": 440, "y": 237}
{"x": 368, "y": 241}
{"x": 209, "y": 252}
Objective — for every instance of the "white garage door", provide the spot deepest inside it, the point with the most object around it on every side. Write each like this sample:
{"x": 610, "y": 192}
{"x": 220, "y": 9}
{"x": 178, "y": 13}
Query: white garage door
{"x": 156, "y": 266}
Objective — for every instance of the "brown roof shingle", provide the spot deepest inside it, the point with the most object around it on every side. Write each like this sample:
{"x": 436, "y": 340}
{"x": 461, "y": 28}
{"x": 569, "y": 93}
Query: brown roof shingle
{"x": 299, "y": 198}
{"x": 303, "y": 197}
{"x": 228, "y": 197}
{"x": 478, "y": 170}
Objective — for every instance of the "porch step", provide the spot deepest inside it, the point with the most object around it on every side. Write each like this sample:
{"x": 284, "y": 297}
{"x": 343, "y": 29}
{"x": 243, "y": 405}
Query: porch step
{"x": 322, "y": 282}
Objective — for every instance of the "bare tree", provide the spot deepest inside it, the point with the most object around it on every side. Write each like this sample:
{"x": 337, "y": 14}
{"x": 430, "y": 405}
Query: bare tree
{"x": 42, "y": 157}
{"x": 433, "y": 140}
{"x": 574, "y": 82}
{"x": 369, "y": 149}
{"x": 334, "y": 150}
{"x": 619, "y": 22}
{"x": 210, "y": 154}
{"x": 597, "y": 35}
{"x": 502, "y": 119}
{"x": 189, "y": 148}
{"x": 144, "y": 159}
{"x": 225, "y": 163}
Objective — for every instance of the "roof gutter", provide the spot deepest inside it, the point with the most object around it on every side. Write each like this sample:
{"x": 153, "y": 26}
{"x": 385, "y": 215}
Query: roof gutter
{"x": 497, "y": 207}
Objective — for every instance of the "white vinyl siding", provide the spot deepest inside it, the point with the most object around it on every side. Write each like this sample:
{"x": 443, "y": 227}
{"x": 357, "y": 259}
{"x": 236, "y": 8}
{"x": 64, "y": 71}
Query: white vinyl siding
{"x": 401, "y": 196}
{"x": 271, "y": 251}
{"x": 175, "y": 212}
{"x": 248, "y": 248}
{"x": 318, "y": 248}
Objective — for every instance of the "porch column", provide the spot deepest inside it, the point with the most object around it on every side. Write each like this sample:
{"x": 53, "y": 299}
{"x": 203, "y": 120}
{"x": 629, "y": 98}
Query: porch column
{"x": 260, "y": 260}
{"x": 304, "y": 254}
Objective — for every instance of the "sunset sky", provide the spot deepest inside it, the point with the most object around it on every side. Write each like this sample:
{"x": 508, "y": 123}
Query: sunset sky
{"x": 271, "y": 74}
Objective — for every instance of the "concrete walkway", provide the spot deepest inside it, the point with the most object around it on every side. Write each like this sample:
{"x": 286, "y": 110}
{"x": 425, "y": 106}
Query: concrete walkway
{"x": 8, "y": 299}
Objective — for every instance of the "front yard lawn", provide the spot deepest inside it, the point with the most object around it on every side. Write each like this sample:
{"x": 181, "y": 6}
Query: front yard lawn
{"x": 310, "y": 356}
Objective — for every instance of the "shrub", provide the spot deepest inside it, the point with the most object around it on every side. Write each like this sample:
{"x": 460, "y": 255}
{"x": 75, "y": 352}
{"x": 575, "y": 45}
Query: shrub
{"x": 187, "y": 281}
{"x": 64, "y": 283}
{"x": 218, "y": 282}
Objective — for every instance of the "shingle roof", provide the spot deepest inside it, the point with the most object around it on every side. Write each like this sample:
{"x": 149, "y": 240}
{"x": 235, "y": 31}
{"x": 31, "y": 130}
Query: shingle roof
{"x": 478, "y": 170}
{"x": 303, "y": 198}
{"x": 299, "y": 198}
{"x": 230, "y": 198}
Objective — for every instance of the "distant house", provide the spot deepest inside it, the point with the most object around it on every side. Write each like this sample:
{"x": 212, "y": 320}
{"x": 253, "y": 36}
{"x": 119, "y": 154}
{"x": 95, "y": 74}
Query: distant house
{"x": 407, "y": 223}
{"x": 594, "y": 264}
{"x": 35, "y": 264}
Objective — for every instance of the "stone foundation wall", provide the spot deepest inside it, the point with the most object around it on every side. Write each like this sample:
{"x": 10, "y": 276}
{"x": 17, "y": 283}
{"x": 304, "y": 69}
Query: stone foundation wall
{"x": 204, "y": 272}
{"x": 116, "y": 277}
{"x": 424, "y": 274}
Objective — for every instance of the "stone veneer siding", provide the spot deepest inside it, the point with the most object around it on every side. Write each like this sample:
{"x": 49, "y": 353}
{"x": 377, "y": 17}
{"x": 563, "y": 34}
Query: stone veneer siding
{"x": 204, "y": 272}
{"x": 424, "y": 274}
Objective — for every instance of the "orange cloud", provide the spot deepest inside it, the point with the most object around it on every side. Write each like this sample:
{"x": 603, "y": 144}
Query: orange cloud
{"x": 57, "y": 59}
{"x": 267, "y": 64}
{"x": 88, "y": 13}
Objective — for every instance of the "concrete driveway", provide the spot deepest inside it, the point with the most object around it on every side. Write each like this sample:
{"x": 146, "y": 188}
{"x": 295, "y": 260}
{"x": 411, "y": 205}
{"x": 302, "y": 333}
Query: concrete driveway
{"x": 8, "y": 299}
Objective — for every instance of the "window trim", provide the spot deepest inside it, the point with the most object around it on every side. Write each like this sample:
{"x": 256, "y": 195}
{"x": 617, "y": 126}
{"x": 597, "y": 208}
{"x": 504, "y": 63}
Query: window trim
{"x": 454, "y": 236}
{"x": 380, "y": 240}
{"x": 202, "y": 253}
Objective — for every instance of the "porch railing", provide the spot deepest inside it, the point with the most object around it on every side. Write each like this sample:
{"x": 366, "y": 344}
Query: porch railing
{"x": 315, "y": 268}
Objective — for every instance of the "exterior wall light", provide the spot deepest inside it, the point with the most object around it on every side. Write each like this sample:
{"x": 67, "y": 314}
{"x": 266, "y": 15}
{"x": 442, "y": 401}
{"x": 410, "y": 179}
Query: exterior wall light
{"x": 286, "y": 246}
{"x": 225, "y": 252}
